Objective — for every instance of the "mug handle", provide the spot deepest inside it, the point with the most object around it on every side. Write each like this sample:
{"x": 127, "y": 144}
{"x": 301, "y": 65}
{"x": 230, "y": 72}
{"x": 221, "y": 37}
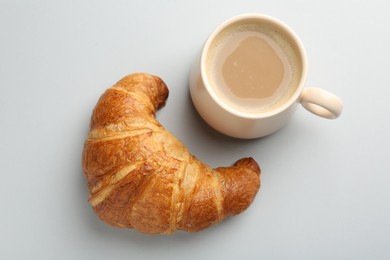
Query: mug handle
{"x": 321, "y": 102}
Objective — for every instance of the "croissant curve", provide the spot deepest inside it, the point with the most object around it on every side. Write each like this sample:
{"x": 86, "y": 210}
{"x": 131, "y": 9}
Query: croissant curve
{"x": 140, "y": 176}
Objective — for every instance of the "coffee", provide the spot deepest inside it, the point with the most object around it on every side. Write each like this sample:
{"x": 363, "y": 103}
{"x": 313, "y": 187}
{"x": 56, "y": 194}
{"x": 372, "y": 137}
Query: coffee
{"x": 252, "y": 68}
{"x": 251, "y": 78}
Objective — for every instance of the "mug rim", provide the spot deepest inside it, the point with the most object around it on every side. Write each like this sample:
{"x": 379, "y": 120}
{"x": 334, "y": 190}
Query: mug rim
{"x": 297, "y": 41}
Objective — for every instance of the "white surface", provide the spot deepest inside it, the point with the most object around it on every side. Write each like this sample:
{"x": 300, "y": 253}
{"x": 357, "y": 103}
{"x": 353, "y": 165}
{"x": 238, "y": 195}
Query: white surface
{"x": 325, "y": 184}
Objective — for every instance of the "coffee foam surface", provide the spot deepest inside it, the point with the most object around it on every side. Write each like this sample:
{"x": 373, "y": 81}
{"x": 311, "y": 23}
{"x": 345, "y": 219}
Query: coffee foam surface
{"x": 249, "y": 105}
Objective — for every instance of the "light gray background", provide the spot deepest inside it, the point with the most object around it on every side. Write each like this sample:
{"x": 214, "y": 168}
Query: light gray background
{"x": 325, "y": 184}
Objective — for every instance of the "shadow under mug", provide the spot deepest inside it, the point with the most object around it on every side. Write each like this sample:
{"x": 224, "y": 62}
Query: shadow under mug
{"x": 239, "y": 124}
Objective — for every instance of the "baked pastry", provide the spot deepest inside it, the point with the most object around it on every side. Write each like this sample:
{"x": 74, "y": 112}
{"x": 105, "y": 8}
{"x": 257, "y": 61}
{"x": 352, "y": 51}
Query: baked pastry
{"x": 140, "y": 176}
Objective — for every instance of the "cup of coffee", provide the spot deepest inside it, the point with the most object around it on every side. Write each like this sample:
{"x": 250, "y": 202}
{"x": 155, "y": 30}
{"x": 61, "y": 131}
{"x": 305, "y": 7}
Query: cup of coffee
{"x": 250, "y": 78}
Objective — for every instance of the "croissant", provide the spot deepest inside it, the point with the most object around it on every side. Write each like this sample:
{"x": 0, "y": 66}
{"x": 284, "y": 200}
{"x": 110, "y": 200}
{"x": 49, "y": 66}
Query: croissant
{"x": 140, "y": 176}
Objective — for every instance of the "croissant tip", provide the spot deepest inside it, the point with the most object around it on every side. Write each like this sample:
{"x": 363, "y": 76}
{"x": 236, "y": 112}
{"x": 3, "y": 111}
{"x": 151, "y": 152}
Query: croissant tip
{"x": 249, "y": 162}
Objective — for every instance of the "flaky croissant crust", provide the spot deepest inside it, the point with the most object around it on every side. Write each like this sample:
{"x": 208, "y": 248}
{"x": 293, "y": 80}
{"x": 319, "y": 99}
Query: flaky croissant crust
{"x": 140, "y": 176}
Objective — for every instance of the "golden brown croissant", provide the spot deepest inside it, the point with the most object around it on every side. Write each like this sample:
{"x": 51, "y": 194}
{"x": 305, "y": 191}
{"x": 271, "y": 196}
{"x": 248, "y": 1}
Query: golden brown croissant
{"x": 140, "y": 176}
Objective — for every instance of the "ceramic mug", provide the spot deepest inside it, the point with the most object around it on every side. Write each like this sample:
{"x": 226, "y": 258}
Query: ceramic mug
{"x": 242, "y": 124}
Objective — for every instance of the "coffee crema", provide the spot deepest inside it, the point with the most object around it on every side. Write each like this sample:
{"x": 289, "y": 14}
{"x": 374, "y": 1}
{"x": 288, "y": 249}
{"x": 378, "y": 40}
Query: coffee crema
{"x": 252, "y": 69}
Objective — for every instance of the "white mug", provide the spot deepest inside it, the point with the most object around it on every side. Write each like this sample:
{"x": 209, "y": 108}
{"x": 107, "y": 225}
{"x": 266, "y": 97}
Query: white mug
{"x": 241, "y": 124}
